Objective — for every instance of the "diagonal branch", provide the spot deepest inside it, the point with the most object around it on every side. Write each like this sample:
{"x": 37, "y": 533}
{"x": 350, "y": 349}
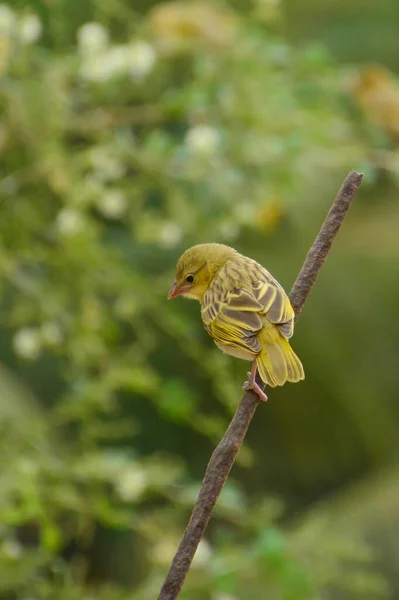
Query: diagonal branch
{"x": 223, "y": 457}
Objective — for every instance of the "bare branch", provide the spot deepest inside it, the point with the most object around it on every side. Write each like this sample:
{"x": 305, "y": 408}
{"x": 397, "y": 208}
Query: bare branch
{"x": 223, "y": 457}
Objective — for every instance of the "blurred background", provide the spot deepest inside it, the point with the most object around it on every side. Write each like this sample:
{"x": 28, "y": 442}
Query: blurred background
{"x": 130, "y": 130}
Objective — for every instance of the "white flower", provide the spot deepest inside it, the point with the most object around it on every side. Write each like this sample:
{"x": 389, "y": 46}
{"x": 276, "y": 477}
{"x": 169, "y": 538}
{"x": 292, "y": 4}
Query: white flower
{"x": 92, "y": 38}
{"x": 223, "y": 596}
{"x": 8, "y": 20}
{"x": 245, "y": 214}
{"x": 111, "y": 63}
{"x": 229, "y": 230}
{"x": 12, "y": 549}
{"x": 203, "y": 553}
{"x": 106, "y": 167}
{"x": 112, "y": 204}
{"x": 202, "y": 139}
{"x": 136, "y": 59}
{"x": 131, "y": 484}
{"x": 164, "y": 550}
{"x": 30, "y": 29}
{"x": 116, "y": 60}
{"x": 170, "y": 234}
{"x": 94, "y": 69}
{"x": 142, "y": 58}
{"x": 51, "y": 333}
{"x": 27, "y": 343}
{"x": 69, "y": 222}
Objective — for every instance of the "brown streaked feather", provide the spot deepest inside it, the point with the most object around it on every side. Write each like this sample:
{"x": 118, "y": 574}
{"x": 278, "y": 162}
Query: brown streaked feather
{"x": 287, "y": 329}
{"x": 246, "y": 320}
{"x": 232, "y": 313}
{"x": 234, "y": 338}
{"x": 232, "y": 325}
{"x": 276, "y": 304}
{"x": 242, "y": 300}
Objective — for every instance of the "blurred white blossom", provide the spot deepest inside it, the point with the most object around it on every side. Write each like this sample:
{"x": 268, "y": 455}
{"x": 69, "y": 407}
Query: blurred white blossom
{"x": 135, "y": 59}
{"x": 30, "y": 29}
{"x": 223, "y": 596}
{"x": 92, "y": 38}
{"x": 51, "y": 333}
{"x": 106, "y": 166}
{"x": 112, "y": 204}
{"x": 142, "y": 58}
{"x": 170, "y": 234}
{"x": 8, "y": 20}
{"x": 131, "y": 483}
{"x": 116, "y": 59}
{"x": 69, "y": 222}
{"x": 12, "y": 549}
{"x": 202, "y": 139}
{"x": 203, "y": 553}
{"x": 27, "y": 343}
{"x": 94, "y": 69}
{"x": 229, "y": 230}
{"x": 164, "y": 551}
{"x": 245, "y": 214}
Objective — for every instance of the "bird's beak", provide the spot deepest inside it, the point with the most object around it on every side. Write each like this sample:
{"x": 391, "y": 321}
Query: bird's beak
{"x": 175, "y": 290}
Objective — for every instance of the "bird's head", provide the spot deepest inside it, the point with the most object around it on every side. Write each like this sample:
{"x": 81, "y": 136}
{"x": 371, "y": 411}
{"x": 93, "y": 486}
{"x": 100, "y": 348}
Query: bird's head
{"x": 197, "y": 267}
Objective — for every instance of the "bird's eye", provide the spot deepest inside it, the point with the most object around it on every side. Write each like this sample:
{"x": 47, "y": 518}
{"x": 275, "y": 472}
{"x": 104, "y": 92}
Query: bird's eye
{"x": 190, "y": 278}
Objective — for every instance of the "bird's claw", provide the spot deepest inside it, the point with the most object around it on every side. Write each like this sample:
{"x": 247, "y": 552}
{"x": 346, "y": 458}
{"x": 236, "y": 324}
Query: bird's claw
{"x": 254, "y": 387}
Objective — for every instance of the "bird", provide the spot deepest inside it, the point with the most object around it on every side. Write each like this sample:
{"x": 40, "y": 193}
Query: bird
{"x": 376, "y": 91}
{"x": 244, "y": 309}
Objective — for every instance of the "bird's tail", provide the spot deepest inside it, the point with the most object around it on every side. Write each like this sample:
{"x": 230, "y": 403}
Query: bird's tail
{"x": 277, "y": 362}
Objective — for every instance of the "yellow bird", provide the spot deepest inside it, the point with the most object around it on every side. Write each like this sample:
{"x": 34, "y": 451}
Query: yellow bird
{"x": 243, "y": 308}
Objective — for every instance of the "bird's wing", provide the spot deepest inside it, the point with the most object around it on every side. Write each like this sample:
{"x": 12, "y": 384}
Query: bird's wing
{"x": 276, "y": 305}
{"x": 232, "y": 319}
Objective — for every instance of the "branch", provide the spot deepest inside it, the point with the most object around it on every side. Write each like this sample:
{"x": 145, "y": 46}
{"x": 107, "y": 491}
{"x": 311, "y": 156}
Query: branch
{"x": 223, "y": 457}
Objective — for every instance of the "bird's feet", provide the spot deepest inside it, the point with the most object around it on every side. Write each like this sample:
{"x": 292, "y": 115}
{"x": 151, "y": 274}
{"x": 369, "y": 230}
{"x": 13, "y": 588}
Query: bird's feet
{"x": 251, "y": 385}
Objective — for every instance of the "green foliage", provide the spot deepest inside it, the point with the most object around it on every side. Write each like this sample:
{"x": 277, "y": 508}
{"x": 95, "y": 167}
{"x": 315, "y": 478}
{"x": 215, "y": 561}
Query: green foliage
{"x": 117, "y": 152}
